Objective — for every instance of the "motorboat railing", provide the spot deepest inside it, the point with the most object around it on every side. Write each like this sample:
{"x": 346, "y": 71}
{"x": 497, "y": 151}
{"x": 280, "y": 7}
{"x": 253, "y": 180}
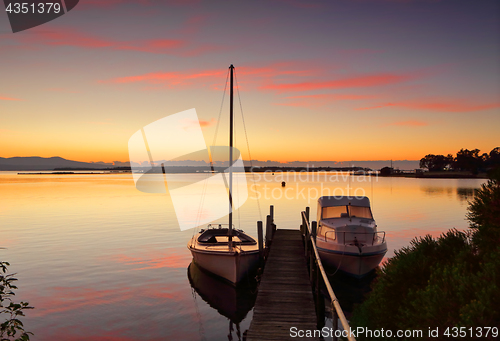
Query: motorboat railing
{"x": 309, "y": 233}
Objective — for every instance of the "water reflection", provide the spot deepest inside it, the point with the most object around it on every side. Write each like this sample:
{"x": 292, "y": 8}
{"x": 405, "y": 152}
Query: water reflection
{"x": 231, "y": 302}
{"x": 465, "y": 193}
{"x": 437, "y": 191}
{"x": 350, "y": 291}
{"x": 462, "y": 193}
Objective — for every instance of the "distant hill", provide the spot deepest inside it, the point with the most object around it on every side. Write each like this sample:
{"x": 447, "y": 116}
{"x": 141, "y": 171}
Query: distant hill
{"x": 50, "y": 163}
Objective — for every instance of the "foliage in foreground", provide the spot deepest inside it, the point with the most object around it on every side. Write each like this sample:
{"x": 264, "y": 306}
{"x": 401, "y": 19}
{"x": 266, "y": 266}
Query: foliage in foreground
{"x": 12, "y": 328}
{"x": 451, "y": 281}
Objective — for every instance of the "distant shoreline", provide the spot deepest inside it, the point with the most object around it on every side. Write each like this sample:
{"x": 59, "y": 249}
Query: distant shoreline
{"x": 72, "y": 173}
{"x": 355, "y": 171}
{"x": 438, "y": 175}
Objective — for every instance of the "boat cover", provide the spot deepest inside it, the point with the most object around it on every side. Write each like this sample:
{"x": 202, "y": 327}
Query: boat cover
{"x": 343, "y": 200}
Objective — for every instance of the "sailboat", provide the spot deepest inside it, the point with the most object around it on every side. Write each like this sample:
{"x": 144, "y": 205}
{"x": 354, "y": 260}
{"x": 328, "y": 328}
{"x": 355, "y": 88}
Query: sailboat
{"x": 221, "y": 249}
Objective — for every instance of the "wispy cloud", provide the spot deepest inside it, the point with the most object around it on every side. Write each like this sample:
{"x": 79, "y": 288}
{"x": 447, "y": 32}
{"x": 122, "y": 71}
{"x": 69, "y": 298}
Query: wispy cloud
{"x": 4, "y": 98}
{"x": 251, "y": 76}
{"x": 71, "y": 37}
{"x": 180, "y": 44}
{"x": 169, "y": 78}
{"x": 205, "y": 124}
{"x": 438, "y": 105}
{"x": 320, "y": 99}
{"x": 343, "y": 83}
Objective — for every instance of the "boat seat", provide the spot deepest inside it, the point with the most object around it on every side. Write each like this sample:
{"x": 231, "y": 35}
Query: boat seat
{"x": 344, "y": 215}
{"x": 212, "y": 239}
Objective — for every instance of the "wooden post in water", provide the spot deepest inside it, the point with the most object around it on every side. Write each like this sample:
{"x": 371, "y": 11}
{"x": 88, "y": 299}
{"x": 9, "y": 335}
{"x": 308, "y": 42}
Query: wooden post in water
{"x": 306, "y": 240}
{"x": 302, "y": 226}
{"x": 312, "y": 259}
{"x": 312, "y": 263}
{"x": 314, "y": 229}
{"x": 306, "y": 232}
{"x": 260, "y": 238}
{"x": 273, "y": 225}
{"x": 269, "y": 230}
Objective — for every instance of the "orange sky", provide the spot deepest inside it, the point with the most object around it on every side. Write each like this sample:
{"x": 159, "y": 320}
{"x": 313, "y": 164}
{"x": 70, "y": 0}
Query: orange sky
{"x": 318, "y": 81}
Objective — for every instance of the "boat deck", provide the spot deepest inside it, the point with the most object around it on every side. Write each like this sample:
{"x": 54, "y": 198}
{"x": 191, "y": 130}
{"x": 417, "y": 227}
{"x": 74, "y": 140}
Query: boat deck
{"x": 285, "y": 299}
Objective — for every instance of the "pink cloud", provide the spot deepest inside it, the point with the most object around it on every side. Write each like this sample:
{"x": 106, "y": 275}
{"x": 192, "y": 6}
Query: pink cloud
{"x": 438, "y": 105}
{"x": 321, "y": 99}
{"x": 2, "y": 98}
{"x": 170, "y": 79}
{"x": 334, "y": 96}
{"x": 71, "y": 37}
{"x": 68, "y": 37}
{"x": 252, "y": 76}
{"x": 205, "y": 124}
{"x": 350, "y": 82}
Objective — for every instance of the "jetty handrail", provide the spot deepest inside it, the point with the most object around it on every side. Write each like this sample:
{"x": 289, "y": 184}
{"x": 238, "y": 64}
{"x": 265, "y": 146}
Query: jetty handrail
{"x": 334, "y": 301}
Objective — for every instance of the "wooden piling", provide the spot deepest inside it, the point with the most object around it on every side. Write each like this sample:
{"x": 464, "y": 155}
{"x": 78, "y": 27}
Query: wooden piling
{"x": 260, "y": 239}
{"x": 269, "y": 230}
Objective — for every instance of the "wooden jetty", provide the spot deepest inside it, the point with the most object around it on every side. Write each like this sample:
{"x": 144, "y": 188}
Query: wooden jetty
{"x": 285, "y": 301}
{"x": 285, "y": 297}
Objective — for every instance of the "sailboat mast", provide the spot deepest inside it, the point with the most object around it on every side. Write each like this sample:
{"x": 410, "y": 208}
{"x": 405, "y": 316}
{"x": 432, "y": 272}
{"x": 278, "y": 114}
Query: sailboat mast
{"x": 230, "y": 232}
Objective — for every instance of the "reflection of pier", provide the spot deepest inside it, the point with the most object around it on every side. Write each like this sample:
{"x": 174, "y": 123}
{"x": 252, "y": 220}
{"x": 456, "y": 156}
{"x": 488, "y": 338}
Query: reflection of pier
{"x": 286, "y": 298}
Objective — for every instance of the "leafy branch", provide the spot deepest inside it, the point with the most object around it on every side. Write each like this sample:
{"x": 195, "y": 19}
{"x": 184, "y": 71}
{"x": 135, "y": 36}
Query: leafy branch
{"x": 12, "y": 328}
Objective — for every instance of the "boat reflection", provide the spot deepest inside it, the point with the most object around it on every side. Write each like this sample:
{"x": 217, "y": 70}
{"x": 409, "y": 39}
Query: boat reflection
{"x": 231, "y": 302}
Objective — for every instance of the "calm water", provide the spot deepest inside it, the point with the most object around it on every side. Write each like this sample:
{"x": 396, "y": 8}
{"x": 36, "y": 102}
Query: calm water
{"x": 102, "y": 261}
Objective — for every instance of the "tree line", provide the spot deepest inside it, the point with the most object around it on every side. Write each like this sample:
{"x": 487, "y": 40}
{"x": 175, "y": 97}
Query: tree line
{"x": 465, "y": 160}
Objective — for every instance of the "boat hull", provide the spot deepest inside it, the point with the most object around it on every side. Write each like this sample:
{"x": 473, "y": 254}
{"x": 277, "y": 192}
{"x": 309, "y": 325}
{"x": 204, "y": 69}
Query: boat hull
{"x": 355, "y": 264}
{"x": 231, "y": 265}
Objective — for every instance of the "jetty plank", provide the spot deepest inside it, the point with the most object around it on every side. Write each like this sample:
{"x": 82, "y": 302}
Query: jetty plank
{"x": 285, "y": 297}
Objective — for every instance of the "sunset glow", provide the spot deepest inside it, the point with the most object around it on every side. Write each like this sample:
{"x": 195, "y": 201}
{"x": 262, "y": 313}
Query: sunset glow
{"x": 319, "y": 80}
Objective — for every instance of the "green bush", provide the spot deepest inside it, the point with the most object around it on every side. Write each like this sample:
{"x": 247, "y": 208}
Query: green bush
{"x": 451, "y": 281}
{"x": 12, "y": 328}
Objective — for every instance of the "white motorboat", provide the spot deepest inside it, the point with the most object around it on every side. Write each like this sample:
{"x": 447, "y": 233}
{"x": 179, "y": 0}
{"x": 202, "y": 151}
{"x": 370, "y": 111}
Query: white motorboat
{"x": 223, "y": 250}
{"x": 347, "y": 237}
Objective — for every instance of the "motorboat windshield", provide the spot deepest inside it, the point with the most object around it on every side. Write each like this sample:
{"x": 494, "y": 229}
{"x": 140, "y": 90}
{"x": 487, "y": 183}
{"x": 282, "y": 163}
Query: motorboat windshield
{"x": 347, "y": 211}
